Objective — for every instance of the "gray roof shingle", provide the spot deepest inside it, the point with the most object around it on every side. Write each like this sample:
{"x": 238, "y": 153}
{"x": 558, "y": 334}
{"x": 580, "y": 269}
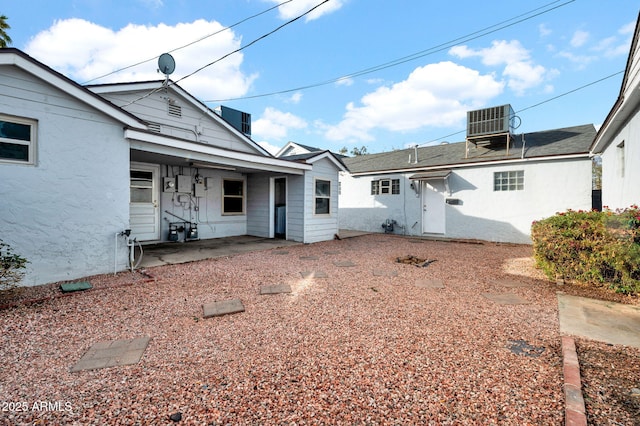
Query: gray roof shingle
{"x": 549, "y": 143}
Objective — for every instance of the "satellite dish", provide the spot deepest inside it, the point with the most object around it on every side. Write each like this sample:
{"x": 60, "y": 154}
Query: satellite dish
{"x": 166, "y": 64}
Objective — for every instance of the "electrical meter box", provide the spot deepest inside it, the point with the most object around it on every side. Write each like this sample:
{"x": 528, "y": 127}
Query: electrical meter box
{"x": 169, "y": 184}
{"x": 198, "y": 190}
{"x": 184, "y": 183}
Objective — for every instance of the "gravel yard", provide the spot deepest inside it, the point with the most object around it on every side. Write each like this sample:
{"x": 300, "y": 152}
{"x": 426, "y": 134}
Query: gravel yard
{"x": 352, "y": 348}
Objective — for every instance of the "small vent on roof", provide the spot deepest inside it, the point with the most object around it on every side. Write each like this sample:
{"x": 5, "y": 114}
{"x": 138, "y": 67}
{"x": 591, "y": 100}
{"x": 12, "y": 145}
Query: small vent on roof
{"x": 154, "y": 127}
{"x": 175, "y": 110}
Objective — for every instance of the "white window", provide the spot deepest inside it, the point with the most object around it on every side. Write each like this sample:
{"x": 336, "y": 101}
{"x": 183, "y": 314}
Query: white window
{"x": 17, "y": 140}
{"x": 323, "y": 197}
{"x": 508, "y": 181}
{"x": 232, "y": 196}
{"x": 385, "y": 186}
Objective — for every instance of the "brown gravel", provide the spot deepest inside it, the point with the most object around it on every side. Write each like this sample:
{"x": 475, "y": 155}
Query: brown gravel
{"x": 352, "y": 348}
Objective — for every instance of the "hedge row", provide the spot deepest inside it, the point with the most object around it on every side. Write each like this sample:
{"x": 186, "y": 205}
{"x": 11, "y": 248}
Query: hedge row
{"x": 598, "y": 248}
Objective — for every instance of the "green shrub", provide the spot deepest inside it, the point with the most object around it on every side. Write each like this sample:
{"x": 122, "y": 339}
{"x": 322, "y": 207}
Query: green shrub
{"x": 599, "y": 248}
{"x": 11, "y": 267}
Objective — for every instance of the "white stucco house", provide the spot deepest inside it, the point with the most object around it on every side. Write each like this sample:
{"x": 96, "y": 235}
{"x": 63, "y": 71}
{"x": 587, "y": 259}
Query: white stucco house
{"x": 618, "y": 140}
{"x": 81, "y": 165}
{"x": 490, "y": 187}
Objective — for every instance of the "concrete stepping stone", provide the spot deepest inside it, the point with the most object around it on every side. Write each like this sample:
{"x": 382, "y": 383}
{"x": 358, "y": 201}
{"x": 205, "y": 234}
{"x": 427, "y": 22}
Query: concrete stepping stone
{"x": 384, "y": 273}
{"x": 344, "y": 263}
{"x": 430, "y": 283}
{"x": 275, "y": 289}
{"x": 314, "y": 274}
{"x": 222, "y": 307}
{"x": 77, "y": 286}
{"x": 505, "y": 298}
{"x": 112, "y": 353}
{"x": 309, "y": 258}
{"x": 512, "y": 283}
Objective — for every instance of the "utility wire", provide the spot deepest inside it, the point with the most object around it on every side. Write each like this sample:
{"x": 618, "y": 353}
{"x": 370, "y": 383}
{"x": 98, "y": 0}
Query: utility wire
{"x": 466, "y": 38}
{"x": 193, "y": 42}
{"x": 171, "y": 83}
{"x": 584, "y": 86}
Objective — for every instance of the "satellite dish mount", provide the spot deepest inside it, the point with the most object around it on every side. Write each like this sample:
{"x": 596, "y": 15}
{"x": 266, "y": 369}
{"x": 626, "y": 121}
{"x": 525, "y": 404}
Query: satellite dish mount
{"x": 166, "y": 65}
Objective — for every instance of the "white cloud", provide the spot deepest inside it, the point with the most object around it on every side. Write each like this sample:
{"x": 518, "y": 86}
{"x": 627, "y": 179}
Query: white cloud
{"x": 272, "y": 149}
{"x": 436, "y": 95}
{"x": 580, "y": 60}
{"x": 579, "y": 38}
{"x": 101, "y": 50}
{"x": 544, "y": 30}
{"x": 275, "y": 124}
{"x": 611, "y": 46}
{"x": 520, "y": 71}
{"x": 153, "y": 4}
{"x": 295, "y": 98}
{"x": 500, "y": 52}
{"x": 298, "y": 7}
{"x": 344, "y": 81}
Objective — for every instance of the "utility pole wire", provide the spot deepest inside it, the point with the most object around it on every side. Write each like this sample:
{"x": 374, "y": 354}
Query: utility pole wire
{"x": 171, "y": 83}
{"x": 254, "y": 41}
{"x": 193, "y": 42}
{"x": 584, "y": 86}
{"x": 466, "y": 38}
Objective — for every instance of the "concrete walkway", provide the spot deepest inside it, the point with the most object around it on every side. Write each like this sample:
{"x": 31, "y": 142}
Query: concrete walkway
{"x": 599, "y": 320}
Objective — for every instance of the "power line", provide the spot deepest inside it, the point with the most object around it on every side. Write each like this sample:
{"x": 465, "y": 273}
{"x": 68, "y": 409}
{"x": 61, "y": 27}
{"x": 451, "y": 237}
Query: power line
{"x": 466, "y": 38}
{"x": 171, "y": 83}
{"x": 193, "y": 42}
{"x": 584, "y": 86}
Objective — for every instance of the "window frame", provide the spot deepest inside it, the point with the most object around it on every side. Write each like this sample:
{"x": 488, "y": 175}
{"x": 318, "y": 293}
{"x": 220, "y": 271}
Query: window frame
{"x": 508, "y": 180}
{"x": 242, "y": 197}
{"x": 31, "y": 143}
{"x": 387, "y": 186}
{"x": 316, "y": 197}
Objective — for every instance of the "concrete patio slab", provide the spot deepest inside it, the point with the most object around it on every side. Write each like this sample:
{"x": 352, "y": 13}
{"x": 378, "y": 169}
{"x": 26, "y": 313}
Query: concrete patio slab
{"x": 223, "y": 307}
{"x": 112, "y": 353}
{"x": 430, "y": 283}
{"x": 314, "y": 274}
{"x": 505, "y": 298}
{"x": 608, "y": 322}
{"x": 275, "y": 289}
{"x": 384, "y": 273}
{"x": 344, "y": 264}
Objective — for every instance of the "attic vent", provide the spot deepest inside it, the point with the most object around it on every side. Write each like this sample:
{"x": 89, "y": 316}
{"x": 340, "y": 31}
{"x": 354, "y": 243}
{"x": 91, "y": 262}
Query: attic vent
{"x": 489, "y": 121}
{"x": 154, "y": 127}
{"x": 175, "y": 110}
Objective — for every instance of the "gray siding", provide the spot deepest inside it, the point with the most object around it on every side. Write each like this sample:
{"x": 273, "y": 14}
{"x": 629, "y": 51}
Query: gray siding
{"x": 258, "y": 206}
{"x": 63, "y": 213}
{"x": 192, "y": 125}
{"x": 296, "y": 208}
{"x": 321, "y": 227}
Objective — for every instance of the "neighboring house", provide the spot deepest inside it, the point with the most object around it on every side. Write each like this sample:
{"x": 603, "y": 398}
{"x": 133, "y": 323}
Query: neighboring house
{"x": 483, "y": 188}
{"x": 294, "y": 148}
{"x": 618, "y": 140}
{"x": 81, "y": 165}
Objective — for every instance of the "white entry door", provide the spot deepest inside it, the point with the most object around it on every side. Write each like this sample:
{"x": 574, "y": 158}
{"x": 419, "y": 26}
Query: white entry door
{"x": 144, "y": 212}
{"x": 433, "y": 207}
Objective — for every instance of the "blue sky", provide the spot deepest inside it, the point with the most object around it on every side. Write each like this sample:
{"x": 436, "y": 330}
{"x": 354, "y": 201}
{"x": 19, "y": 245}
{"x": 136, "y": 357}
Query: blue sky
{"x": 427, "y": 63}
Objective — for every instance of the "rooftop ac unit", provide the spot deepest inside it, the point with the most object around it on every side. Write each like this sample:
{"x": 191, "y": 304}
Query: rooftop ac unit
{"x": 490, "y": 121}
